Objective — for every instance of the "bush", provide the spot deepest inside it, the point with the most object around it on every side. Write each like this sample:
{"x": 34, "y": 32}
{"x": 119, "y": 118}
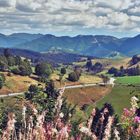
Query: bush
{"x": 78, "y": 72}
{"x": 73, "y": 77}
{"x": 9, "y": 74}
{"x": 18, "y": 60}
{"x": 2, "y": 80}
{"x": 11, "y": 61}
{"x": 63, "y": 71}
{"x": 42, "y": 79}
{"x": 3, "y": 77}
{"x": 43, "y": 69}
{"x": 3, "y": 66}
{"x": 15, "y": 71}
{"x": 89, "y": 64}
{"x": 104, "y": 78}
{"x": 98, "y": 67}
{"x": 1, "y": 83}
{"x": 25, "y": 68}
{"x": 7, "y": 52}
{"x": 33, "y": 88}
{"x": 112, "y": 70}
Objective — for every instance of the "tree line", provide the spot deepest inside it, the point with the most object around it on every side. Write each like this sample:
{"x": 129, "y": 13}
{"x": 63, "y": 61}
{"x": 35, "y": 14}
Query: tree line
{"x": 133, "y": 71}
{"x": 94, "y": 68}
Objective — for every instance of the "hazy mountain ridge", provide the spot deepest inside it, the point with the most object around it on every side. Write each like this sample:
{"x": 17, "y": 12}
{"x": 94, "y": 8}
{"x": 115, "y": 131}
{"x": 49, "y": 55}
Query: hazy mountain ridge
{"x": 98, "y": 45}
{"x": 82, "y": 44}
{"x": 9, "y": 41}
{"x": 131, "y": 46}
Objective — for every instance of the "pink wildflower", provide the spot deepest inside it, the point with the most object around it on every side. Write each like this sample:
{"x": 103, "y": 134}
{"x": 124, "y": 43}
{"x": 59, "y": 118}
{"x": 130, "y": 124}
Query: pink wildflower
{"x": 137, "y": 119}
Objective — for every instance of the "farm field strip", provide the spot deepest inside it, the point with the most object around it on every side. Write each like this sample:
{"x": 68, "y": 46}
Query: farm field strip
{"x": 128, "y": 80}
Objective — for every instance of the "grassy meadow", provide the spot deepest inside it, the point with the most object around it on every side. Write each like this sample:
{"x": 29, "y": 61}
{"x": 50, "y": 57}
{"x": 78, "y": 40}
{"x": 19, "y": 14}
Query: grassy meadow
{"x": 120, "y": 97}
{"x": 128, "y": 80}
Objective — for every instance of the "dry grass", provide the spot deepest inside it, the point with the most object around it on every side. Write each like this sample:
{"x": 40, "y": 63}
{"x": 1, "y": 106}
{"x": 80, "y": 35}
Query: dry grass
{"x": 17, "y": 83}
{"x": 117, "y": 63}
{"x": 55, "y": 76}
{"x": 108, "y": 63}
{"x": 84, "y": 79}
{"x": 86, "y": 95}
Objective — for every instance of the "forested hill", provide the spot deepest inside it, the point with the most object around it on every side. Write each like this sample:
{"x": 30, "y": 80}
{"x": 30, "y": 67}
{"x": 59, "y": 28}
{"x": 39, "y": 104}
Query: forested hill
{"x": 52, "y": 57}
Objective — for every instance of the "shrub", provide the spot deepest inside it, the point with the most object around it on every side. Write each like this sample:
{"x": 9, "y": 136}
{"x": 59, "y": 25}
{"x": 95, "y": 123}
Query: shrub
{"x": 98, "y": 67}
{"x": 89, "y": 64}
{"x": 25, "y": 68}
{"x": 3, "y": 66}
{"x": 1, "y": 82}
{"x": 73, "y": 77}
{"x": 7, "y": 52}
{"x": 3, "y": 77}
{"x": 112, "y": 70}
{"x": 15, "y": 71}
{"x": 11, "y": 60}
{"x": 33, "y": 88}
{"x": 63, "y": 71}
{"x": 43, "y": 69}
{"x": 42, "y": 79}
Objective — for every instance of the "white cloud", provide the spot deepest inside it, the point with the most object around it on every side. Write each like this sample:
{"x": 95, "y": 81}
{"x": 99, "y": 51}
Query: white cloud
{"x": 134, "y": 11}
{"x": 28, "y": 5}
{"x": 135, "y": 18}
{"x": 7, "y": 3}
{"x": 117, "y": 17}
{"x": 69, "y": 15}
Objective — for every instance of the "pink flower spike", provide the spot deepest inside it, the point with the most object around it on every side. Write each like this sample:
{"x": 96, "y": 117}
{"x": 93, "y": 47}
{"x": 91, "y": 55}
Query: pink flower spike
{"x": 126, "y": 112}
{"x": 137, "y": 119}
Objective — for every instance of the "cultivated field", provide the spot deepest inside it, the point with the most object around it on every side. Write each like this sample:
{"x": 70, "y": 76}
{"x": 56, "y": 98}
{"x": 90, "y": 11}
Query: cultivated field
{"x": 88, "y": 95}
{"x": 128, "y": 80}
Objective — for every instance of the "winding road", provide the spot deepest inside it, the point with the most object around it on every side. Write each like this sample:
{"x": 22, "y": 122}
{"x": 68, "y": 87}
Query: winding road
{"x": 110, "y": 82}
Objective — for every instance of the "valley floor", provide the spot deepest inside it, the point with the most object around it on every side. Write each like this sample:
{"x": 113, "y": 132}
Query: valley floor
{"x": 91, "y": 96}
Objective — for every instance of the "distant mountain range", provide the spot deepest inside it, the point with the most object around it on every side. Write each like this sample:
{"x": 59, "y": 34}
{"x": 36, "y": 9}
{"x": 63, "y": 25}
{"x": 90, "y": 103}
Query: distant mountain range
{"x": 98, "y": 45}
{"x": 17, "y": 38}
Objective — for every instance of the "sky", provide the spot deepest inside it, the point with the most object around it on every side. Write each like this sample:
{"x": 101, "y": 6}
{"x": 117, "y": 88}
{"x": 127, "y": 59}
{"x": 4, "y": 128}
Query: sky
{"x": 120, "y": 18}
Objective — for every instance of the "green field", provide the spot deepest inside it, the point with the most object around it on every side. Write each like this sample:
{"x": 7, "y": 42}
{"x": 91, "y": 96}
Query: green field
{"x": 120, "y": 97}
{"x": 128, "y": 80}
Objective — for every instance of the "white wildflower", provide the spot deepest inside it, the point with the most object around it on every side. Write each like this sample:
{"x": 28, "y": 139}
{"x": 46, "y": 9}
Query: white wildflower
{"x": 70, "y": 114}
{"x": 61, "y": 115}
{"x": 134, "y": 101}
{"x": 108, "y": 129}
{"x": 116, "y": 132}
